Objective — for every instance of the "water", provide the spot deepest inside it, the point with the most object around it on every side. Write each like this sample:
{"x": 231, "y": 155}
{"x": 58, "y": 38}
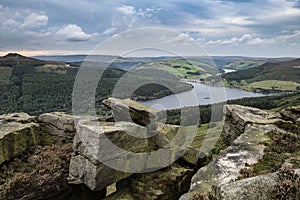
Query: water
{"x": 201, "y": 94}
{"x": 229, "y": 70}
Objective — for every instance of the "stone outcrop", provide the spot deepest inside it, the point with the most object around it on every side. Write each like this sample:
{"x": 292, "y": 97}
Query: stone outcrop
{"x": 245, "y": 130}
{"x": 96, "y": 143}
{"x": 17, "y": 133}
{"x": 237, "y": 117}
{"x": 291, "y": 113}
{"x": 258, "y": 187}
{"x": 58, "y": 123}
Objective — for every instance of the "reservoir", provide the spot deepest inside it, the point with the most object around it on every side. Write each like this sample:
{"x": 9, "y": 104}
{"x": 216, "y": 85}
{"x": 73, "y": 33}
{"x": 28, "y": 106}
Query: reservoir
{"x": 201, "y": 94}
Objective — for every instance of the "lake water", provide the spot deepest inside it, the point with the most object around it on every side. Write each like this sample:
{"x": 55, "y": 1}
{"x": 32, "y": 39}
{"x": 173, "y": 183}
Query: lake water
{"x": 201, "y": 94}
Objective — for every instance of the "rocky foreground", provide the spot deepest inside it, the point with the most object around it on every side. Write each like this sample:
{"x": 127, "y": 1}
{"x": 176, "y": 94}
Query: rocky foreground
{"x": 57, "y": 156}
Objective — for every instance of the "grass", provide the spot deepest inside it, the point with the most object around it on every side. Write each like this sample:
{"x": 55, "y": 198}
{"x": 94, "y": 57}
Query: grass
{"x": 274, "y": 84}
{"x": 184, "y": 68}
{"x": 283, "y": 146}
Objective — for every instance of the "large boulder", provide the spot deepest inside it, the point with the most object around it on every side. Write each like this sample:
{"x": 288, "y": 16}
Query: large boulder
{"x": 99, "y": 143}
{"x": 131, "y": 111}
{"x": 237, "y": 117}
{"x": 58, "y": 123}
{"x": 17, "y": 134}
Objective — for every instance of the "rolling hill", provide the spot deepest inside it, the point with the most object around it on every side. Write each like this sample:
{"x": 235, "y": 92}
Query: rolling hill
{"x": 268, "y": 76}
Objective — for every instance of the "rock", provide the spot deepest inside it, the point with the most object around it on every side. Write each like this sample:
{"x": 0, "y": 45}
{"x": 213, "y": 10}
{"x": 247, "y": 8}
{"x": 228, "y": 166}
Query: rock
{"x": 99, "y": 143}
{"x": 258, "y": 187}
{"x": 58, "y": 123}
{"x": 131, "y": 111}
{"x": 16, "y": 117}
{"x": 237, "y": 117}
{"x": 96, "y": 177}
{"x": 291, "y": 113}
{"x": 16, "y": 135}
{"x": 166, "y": 183}
{"x": 247, "y": 149}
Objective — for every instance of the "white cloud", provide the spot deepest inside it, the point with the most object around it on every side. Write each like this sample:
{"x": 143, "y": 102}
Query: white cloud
{"x": 238, "y": 20}
{"x": 110, "y": 31}
{"x": 34, "y": 20}
{"x": 73, "y": 33}
{"x": 251, "y": 40}
{"x": 127, "y": 10}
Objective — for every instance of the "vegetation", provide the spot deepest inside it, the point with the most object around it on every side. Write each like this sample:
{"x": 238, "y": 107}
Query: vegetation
{"x": 190, "y": 69}
{"x": 35, "y": 86}
{"x": 243, "y": 64}
{"x": 277, "y": 102}
{"x": 42, "y": 171}
{"x": 284, "y": 73}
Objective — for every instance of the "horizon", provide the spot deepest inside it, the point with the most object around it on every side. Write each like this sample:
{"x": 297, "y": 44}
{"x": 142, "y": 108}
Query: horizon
{"x": 137, "y": 56}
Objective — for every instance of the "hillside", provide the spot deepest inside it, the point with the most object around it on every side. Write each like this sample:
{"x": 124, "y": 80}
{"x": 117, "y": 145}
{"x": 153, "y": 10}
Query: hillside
{"x": 181, "y": 68}
{"x": 35, "y": 86}
{"x": 270, "y": 76}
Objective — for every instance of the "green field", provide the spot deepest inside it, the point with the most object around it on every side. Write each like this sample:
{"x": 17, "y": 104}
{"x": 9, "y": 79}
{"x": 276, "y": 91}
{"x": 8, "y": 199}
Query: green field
{"x": 181, "y": 68}
{"x": 274, "y": 84}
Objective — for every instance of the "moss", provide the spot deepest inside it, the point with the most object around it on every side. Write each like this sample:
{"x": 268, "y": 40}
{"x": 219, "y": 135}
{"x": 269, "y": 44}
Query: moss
{"x": 283, "y": 146}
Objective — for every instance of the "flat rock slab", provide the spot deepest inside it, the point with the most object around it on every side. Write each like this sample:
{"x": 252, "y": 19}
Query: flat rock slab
{"x": 257, "y": 187}
{"x": 16, "y": 117}
{"x": 247, "y": 149}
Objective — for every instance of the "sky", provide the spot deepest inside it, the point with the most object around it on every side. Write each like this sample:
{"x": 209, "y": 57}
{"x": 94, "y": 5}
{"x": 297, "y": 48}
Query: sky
{"x": 268, "y": 28}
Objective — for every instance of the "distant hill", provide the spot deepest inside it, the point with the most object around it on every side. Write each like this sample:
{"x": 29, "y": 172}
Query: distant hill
{"x": 284, "y": 71}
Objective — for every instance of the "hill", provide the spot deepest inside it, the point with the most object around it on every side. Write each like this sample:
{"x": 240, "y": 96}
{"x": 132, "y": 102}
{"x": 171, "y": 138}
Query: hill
{"x": 181, "y": 68}
{"x": 268, "y": 76}
{"x": 35, "y": 86}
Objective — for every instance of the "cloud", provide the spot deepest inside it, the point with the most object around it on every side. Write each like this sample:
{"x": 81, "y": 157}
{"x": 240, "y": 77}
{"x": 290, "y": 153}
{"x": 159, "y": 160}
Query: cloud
{"x": 34, "y": 20}
{"x": 251, "y": 40}
{"x": 73, "y": 33}
{"x": 127, "y": 10}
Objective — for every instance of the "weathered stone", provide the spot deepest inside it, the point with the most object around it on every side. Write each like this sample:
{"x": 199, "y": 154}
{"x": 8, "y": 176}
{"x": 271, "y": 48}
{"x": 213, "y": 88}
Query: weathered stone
{"x": 96, "y": 177}
{"x": 166, "y": 183}
{"x": 237, "y": 117}
{"x": 58, "y": 123}
{"x": 258, "y": 187}
{"x": 102, "y": 147}
{"x": 247, "y": 149}
{"x": 104, "y": 141}
{"x": 132, "y": 111}
{"x": 16, "y": 117}
{"x": 16, "y": 136}
{"x": 291, "y": 113}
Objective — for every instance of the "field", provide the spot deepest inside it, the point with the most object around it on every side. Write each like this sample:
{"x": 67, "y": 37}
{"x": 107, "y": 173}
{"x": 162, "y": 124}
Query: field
{"x": 275, "y": 84}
